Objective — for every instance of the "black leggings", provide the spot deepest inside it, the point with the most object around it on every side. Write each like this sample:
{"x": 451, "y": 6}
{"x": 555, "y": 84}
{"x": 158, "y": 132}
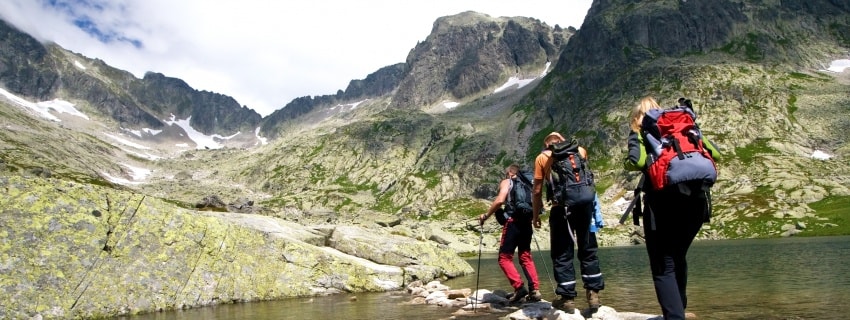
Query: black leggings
{"x": 671, "y": 221}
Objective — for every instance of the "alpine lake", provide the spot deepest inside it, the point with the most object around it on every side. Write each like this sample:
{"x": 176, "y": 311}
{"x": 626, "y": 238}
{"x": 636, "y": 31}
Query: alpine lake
{"x": 787, "y": 278}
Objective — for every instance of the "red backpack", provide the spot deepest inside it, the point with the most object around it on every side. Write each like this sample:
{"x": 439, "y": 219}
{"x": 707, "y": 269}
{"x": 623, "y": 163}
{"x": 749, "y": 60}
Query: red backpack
{"x": 677, "y": 152}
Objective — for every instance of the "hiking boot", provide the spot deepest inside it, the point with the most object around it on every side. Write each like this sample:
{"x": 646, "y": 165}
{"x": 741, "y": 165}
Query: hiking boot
{"x": 593, "y": 299}
{"x": 518, "y": 295}
{"x": 534, "y": 296}
{"x": 564, "y": 303}
{"x": 690, "y": 315}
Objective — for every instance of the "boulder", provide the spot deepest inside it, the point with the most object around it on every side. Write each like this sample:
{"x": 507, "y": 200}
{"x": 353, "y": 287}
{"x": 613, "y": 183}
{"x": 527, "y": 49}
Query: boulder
{"x": 88, "y": 251}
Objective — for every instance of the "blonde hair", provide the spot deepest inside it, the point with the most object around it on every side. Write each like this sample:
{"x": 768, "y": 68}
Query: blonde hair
{"x": 639, "y": 110}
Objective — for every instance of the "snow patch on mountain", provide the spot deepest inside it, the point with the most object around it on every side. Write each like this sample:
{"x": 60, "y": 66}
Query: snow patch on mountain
{"x": 201, "y": 140}
{"x": 43, "y": 108}
{"x": 519, "y": 83}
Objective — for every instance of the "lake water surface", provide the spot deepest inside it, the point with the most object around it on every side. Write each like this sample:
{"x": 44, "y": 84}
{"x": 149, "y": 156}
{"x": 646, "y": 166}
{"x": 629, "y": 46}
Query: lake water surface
{"x": 790, "y": 278}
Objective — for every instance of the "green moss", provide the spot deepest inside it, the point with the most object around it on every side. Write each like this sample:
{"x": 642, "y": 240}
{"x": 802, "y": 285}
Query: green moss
{"x": 500, "y": 159}
{"x": 346, "y": 203}
{"x": 792, "y": 104}
{"x": 275, "y": 202}
{"x": 316, "y": 150}
{"x": 841, "y": 32}
{"x": 523, "y": 123}
{"x": 318, "y": 173}
{"x": 800, "y": 76}
{"x": 463, "y": 207}
{"x": 536, "y": 142}
{"x": 748, "y": 46}
{"x": 758, "y": 147}
{"x": 385, "y": 203}
{"x": 349, "y": 187}
{"x": 458, "y": 143}
{"x": 836, "y": 210}
{"x": 432, "y": 178}
{"x": 603, "y": 184}
{"x": 524, "y": 108}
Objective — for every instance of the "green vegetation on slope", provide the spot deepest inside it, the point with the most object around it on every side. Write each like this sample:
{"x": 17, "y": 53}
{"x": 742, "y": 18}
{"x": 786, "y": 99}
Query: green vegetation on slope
{"x": 833, "y": 217}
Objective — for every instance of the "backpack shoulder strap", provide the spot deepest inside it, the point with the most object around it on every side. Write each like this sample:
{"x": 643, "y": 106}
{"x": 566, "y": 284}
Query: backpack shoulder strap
{"x": 523, "y": 176}
{"x": 510, "y": 189}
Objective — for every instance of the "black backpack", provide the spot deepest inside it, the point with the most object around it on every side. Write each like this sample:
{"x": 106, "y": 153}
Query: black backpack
{"x": 518, "y": 203}
{"x": 571, "y": 181}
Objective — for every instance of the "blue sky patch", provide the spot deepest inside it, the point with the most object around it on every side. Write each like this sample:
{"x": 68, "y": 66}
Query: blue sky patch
{"x": 75, "y": 11}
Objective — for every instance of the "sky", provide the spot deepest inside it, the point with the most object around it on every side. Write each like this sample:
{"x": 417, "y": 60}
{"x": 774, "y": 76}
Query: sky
{"x": 263, "y": 53}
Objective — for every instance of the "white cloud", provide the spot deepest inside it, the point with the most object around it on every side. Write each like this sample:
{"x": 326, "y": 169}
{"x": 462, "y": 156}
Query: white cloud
{"x": 263, "y": 53}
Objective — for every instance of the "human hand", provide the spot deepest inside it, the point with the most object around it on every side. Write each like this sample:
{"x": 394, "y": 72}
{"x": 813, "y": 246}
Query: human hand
{"x": 482, "y": 218}
{"x": 536, "y": 222}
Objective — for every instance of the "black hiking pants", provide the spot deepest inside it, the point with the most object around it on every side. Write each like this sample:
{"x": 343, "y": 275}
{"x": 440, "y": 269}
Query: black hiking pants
{"x": 563, "y": 249}
{"x": 671, "y": 221}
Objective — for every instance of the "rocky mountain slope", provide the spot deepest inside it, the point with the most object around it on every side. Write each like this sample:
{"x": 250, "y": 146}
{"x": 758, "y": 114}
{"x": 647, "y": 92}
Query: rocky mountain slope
{"x": 465, "y": 57}
{"x": 118, "y": 195}
{"x": 415, "y": 149}
{"x": 41, "y": 72}
{"x": 756, "y": 73}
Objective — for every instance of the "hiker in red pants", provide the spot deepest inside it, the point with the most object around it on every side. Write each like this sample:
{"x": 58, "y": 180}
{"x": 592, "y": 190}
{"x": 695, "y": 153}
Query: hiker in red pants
{"x": 515, "y": 195}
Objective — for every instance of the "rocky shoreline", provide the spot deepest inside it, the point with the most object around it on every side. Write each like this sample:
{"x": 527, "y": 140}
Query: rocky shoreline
{"x": 471, "y": 303}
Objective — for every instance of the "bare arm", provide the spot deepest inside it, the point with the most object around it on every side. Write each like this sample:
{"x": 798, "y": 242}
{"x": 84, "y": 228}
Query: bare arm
{"x": 504, "y": 188}
{"x": 536, "y": 201}
{"x": 541, "y": 164}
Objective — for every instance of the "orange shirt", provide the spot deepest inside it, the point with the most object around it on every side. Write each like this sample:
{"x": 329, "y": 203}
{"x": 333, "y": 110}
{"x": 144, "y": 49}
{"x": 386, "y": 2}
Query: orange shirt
{"x": 543, "y": 165}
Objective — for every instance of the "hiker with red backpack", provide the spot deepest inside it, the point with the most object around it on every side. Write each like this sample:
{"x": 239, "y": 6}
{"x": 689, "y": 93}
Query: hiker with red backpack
{"x": 678, "y": 168}
{"x": 515, "y": 218}
{"x": 563, "y": 167}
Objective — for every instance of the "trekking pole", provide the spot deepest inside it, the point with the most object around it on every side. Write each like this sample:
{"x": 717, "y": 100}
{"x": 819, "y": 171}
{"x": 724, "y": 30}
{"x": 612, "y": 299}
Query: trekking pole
{"x": 635, "y": 206}
{"x": 478, "y": 272}
{"x": 545, "y": 267}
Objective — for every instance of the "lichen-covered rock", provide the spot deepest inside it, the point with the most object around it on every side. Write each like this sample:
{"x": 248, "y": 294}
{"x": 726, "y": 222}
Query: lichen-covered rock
{"x": 71, "y": 250}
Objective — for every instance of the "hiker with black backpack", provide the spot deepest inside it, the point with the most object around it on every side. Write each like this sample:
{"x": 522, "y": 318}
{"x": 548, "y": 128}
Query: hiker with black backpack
{"x": 515, "y": 218}
{"x": 563, "y": 167}
{"x": 678, "y": 168}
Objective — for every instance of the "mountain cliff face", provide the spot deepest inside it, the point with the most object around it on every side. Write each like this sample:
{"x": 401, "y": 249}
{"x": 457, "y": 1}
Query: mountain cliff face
{"x": 211, "y": 112}
{"x": 376, "y": 84}
{"x": 469, "y": 53}
{"x": 45, "y": 72}
{"x": 636, "y": 35}
{"x": 465, "y": 56}
{"x": 25, "y": 64}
